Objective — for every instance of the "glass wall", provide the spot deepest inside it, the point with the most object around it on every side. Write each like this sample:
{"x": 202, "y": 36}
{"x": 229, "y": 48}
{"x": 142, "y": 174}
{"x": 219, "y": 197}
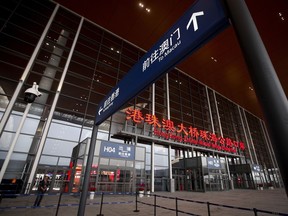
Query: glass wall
{"x": 89, "y": 71}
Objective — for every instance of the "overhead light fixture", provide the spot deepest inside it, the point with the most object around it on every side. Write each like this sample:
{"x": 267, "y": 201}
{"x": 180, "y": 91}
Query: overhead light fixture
{"x": 281, "y": 16}
{"x": 142, "y": 6}
{"x": 214, "y": 59}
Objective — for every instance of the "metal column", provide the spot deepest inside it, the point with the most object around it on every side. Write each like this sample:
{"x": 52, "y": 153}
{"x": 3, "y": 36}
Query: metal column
{"x": 53, "y": 107}
{"x": 265, "y": 81}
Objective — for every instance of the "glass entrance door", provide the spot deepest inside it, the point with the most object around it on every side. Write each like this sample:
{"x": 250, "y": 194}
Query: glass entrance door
{"x": 60, "y": 181}
{"x": 124, "y": 181}
{"x": 115, "y": 180}
{"x": 194, "y": 179}
{"x": 58, "y": 178}
{"x": 41, "y": 172}
{"x": 216, "y": 180}
{"x": 179, "y": 182}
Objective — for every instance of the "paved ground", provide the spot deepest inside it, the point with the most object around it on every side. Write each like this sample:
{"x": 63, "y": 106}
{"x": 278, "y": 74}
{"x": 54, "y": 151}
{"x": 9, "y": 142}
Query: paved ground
{"x": 120, "y": 205}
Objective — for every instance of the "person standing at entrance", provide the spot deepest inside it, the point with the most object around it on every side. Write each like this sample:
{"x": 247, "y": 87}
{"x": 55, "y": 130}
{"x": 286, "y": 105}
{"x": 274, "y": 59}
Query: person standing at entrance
{"x": 42, "y": 188}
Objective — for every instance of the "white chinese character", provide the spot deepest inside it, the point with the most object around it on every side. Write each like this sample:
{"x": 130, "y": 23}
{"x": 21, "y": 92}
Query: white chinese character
{"x": 164, "y": 46}
{"x": 108, "y": 100}
{"x": 146, "y": 64}
{"x": 177, "y": 32}
{"x": 117, "y": 92}
{"x": 154, "y": 56}
{"x": 105, "y": 103}
{"x": 113, "y": 96}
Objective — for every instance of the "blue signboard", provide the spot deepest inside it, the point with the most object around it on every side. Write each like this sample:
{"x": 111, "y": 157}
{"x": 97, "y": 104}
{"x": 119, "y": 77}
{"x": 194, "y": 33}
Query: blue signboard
{"x": 199, "y": 24}
{"x": 213, "y": 163}
{"x": 115, "y": 150}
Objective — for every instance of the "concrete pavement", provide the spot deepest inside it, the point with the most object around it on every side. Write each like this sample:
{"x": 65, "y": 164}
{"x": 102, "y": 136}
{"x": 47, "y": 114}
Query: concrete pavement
{"x": 120, "y": 205}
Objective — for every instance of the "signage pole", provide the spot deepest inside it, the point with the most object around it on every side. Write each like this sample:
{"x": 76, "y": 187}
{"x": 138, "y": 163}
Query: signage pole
{"x": 85, "y": 186}
{"x": 265, "y": 81}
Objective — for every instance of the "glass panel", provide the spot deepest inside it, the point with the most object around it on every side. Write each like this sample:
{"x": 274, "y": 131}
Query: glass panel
{"x": 58, "y": 147}
{"x": 129, "y": 164}
{"x": 64, "y": 161}
{"x": 140, "y": 154}
{"x": 161, "y": 160}
{"x": 104, "y": 161}
{"x": 62, "y": 131}
{"x": 48, "y": 160}
{"x": 118, "y": 163}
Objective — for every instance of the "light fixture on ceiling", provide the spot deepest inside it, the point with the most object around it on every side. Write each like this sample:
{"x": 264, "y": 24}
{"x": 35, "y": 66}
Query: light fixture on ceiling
{"x": 214, "y": 59}
{"x": 148, "y": 10}
{"x": 281, "y": 16}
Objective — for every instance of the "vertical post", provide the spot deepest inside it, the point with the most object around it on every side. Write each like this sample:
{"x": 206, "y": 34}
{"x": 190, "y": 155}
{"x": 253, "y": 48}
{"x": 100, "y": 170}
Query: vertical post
{"x": 255, "y": 211}
{"x": 176, "y": 200}
{"x": 58, "y": 205}
{"x": 136, "y": 202}
{"x": 153, "y": 144}
{"x": 85, "y": 186}
{"x": 53, "y": 107}
{"x": 208, "y": 207}
{"x": 27, "y": 188}
{"x": 265, "y": 81}
{"x": 154, "y": 204}
{"x": 101, "y": 204}
{"x": 11, "y": 149}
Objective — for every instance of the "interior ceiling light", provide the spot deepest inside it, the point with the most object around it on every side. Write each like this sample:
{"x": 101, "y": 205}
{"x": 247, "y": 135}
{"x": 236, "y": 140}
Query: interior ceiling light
{"x": 215, "y": 60}
{"x": 281, "y": 16}
{"x": 142, "y": 6}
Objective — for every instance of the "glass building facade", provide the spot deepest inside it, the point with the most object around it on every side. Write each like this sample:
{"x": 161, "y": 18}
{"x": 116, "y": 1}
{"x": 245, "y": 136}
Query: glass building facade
{"x": 186, "y": 135}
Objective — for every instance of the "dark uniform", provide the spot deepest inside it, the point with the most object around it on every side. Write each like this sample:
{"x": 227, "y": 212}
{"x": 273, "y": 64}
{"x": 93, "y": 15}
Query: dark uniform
{"x": 42, "y": 188}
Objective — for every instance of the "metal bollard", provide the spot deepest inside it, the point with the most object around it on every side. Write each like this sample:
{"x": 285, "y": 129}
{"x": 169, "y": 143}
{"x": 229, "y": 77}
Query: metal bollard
{"x": 154, "y": 204}
{"x": 255, "y": 211}
{"x": 176, "y": 206}
{"x": 136, "y": 210}
{"x": 208, "y": 206}
{"x": 101, "y": 204}
{"x": 59, "y": 201}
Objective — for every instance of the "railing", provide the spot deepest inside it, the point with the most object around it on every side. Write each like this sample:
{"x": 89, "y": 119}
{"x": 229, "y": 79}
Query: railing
{"x": 56, "y": 202}
{"x": 59, "y": 201}
{"x": 177, "y": 210}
